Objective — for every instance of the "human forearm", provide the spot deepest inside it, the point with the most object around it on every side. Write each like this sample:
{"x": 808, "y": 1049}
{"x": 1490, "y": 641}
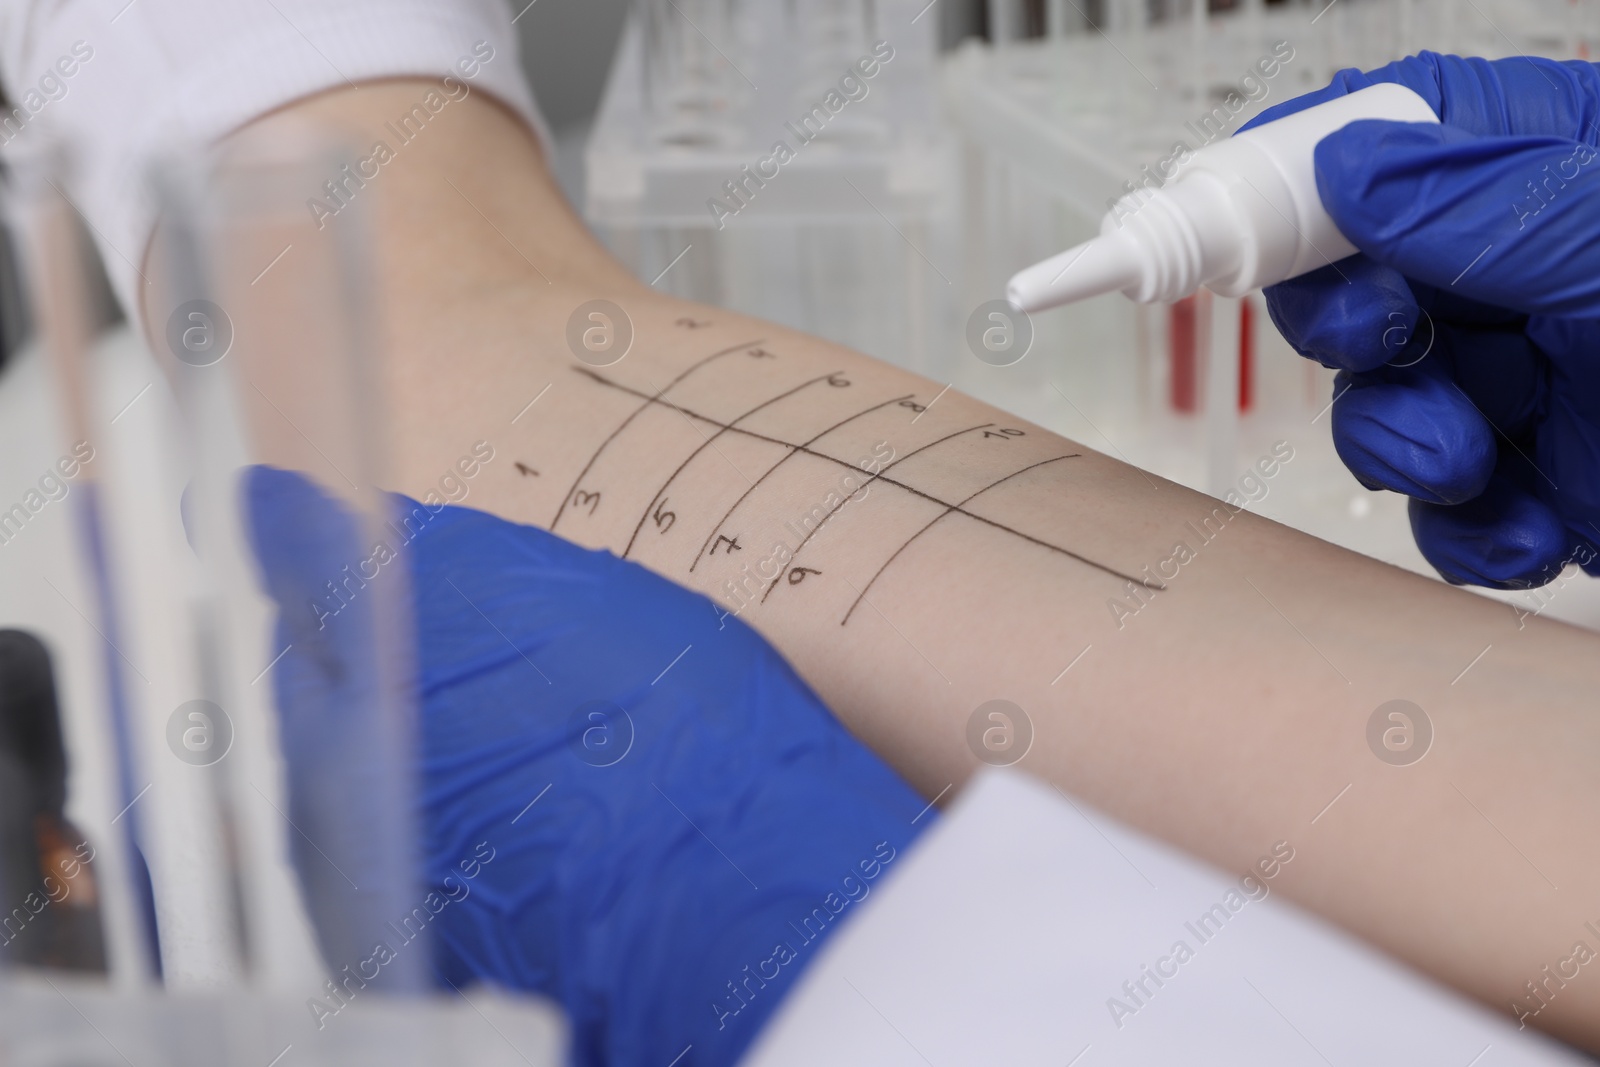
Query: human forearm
{"x": 1224, "y": 713}
{"x": 1222, "y": 707}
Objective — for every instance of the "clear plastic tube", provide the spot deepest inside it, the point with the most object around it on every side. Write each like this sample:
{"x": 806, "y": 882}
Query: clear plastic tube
{"x": 104, "y": 748}
{"x": 292, "y": 380}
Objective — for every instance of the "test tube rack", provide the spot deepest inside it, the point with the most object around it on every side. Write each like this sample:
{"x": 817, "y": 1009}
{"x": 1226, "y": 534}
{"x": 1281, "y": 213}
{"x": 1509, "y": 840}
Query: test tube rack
{"x": 787, "y": 161}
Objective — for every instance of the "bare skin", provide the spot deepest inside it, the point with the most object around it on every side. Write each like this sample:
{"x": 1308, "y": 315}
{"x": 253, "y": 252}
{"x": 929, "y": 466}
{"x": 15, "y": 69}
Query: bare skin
{"x": 1226, "y": 706}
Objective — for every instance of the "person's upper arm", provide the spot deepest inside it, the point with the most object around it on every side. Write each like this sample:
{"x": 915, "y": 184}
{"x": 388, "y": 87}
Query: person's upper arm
{"x": 122, "y": 81}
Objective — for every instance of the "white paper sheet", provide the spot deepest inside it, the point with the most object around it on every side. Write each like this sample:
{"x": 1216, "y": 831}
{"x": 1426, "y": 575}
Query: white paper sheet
{"x": 1007, "y": 935}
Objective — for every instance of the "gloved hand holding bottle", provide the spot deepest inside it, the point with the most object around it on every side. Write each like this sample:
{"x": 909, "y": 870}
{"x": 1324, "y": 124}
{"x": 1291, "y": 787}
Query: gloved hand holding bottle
{"x": 1467, "y": 332}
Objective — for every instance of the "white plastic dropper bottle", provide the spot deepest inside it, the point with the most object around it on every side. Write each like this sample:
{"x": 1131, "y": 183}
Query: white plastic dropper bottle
{"x": 1240, "y": 214}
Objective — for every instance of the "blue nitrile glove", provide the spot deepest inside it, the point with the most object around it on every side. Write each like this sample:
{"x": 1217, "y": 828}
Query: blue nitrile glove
{"x": 351, "y": 837}
{"x": 1467, "y": 333}
{"x": 631, "y": 803}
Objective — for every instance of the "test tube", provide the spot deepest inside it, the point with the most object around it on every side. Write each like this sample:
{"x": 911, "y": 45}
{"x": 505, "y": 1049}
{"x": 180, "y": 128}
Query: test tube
{"x": 1198, "y": 17}
{"x": 55, "y": 255}
{"x": 1577, "y": 39}
{"x": 1222, "y": 391}
{"x": 276, "y": 942}
{"x": 1135, "y": 16}
{"x": 285, "y": 373}
{"x": 1255, "y": 12}
{"x": 1061, "y": 19}
{"x": 687, "y": 70}
{"x": 1004, "y": 22}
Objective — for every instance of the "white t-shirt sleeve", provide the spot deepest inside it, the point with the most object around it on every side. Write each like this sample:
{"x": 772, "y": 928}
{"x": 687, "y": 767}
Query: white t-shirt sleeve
{"x": 121, "y": 81}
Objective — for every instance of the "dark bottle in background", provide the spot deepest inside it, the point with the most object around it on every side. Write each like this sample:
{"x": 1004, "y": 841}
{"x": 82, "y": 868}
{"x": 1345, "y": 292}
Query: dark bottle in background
{"x": 49, "y": 901}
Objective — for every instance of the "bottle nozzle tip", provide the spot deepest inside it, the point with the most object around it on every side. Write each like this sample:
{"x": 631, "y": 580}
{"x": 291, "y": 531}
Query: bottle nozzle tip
{"x": 1101, "y": 265}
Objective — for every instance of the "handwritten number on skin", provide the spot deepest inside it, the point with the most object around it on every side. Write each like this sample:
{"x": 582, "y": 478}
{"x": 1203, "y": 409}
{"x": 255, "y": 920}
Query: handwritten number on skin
{"x": 664, "y": 519}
